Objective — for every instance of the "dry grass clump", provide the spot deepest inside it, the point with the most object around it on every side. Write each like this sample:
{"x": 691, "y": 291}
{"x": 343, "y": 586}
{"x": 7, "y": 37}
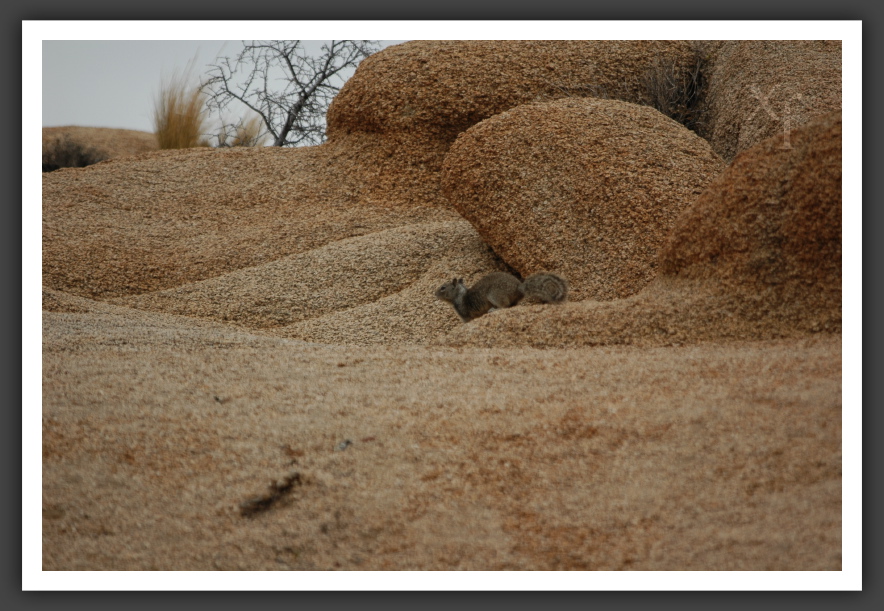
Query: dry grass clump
{"x": 675, "y": 86}
{"x": 62, "y": 151}
{"x": 248, "y": 132}
{"x": 111, "y": 142}
{"x": 179, "y": 114}
{"x": 677, "y": 90}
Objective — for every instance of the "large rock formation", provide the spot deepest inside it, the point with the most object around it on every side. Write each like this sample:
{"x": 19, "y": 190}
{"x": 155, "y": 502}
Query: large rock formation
{"x": 159, "y": 220}
{"x": 441, "y": 88}
{"x": 405, "y": 105}
{"x": 757, "y": 256}
{"x": 156, "y": 221}
{"x": 368, "y": 289}
{"x": 587, "y": 188}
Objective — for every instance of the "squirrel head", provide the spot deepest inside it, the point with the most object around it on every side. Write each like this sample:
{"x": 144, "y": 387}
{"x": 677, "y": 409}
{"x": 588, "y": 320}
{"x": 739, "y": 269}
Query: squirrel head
{"x": 451, "y": 290}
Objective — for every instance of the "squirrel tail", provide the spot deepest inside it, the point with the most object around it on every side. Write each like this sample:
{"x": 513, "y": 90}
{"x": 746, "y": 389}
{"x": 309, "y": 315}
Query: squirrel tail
{"x": 545, "y": 287}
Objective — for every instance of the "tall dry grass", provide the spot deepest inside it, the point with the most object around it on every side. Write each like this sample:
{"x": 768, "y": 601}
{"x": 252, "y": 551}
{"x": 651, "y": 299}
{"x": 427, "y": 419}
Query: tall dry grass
{"x": 179, "y": 115}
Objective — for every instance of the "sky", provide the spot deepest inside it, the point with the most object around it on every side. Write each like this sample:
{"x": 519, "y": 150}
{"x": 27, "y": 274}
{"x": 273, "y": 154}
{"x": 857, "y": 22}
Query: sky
{"x": 113, "y": 83}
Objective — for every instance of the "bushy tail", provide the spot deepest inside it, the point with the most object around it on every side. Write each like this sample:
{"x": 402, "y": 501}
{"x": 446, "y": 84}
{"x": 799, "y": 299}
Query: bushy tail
{"x": 545, "y": 287}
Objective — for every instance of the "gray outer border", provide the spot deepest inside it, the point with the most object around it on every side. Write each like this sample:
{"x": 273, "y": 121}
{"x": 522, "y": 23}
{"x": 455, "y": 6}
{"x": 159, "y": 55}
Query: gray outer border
{"x": 460, "y": 9}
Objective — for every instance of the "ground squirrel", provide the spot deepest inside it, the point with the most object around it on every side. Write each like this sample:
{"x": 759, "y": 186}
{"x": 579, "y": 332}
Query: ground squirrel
{"x": 500, "y": 290}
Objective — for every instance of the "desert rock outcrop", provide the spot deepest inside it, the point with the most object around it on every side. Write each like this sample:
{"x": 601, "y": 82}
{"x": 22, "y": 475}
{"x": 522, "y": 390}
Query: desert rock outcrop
{"x": 405, "y": 105}
{"x": 239, "y": 367}
{"x": 159, "y": 220}
{"x": 769, "y": 228}
{"x": 441, "y": 88}
{"x": 757, "y": 256}
{"x": 363, "y": 290}
{"x": 587, "y": 188}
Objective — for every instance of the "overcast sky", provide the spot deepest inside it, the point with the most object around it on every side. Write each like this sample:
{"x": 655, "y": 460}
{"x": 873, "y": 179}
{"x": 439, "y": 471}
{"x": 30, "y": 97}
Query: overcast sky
{"x": 106, "y": 74}
{"x": 113, "y": 83}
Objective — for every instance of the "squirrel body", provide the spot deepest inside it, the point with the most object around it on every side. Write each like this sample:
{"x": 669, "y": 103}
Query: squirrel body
{"x": 501, "y": 290}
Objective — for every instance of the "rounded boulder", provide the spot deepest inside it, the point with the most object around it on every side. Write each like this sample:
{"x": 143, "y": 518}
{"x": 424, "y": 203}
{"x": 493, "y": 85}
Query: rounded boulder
{"x": 769, "y": 229}
{"x": 587, "y": 188}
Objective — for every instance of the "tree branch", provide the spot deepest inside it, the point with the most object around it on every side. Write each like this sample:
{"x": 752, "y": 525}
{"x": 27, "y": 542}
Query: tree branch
{"x": 295, "y": 114}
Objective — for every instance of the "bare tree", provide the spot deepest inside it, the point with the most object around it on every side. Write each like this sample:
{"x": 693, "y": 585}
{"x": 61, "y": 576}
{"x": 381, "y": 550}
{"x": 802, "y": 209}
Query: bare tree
{"x": 294, "y": 114}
